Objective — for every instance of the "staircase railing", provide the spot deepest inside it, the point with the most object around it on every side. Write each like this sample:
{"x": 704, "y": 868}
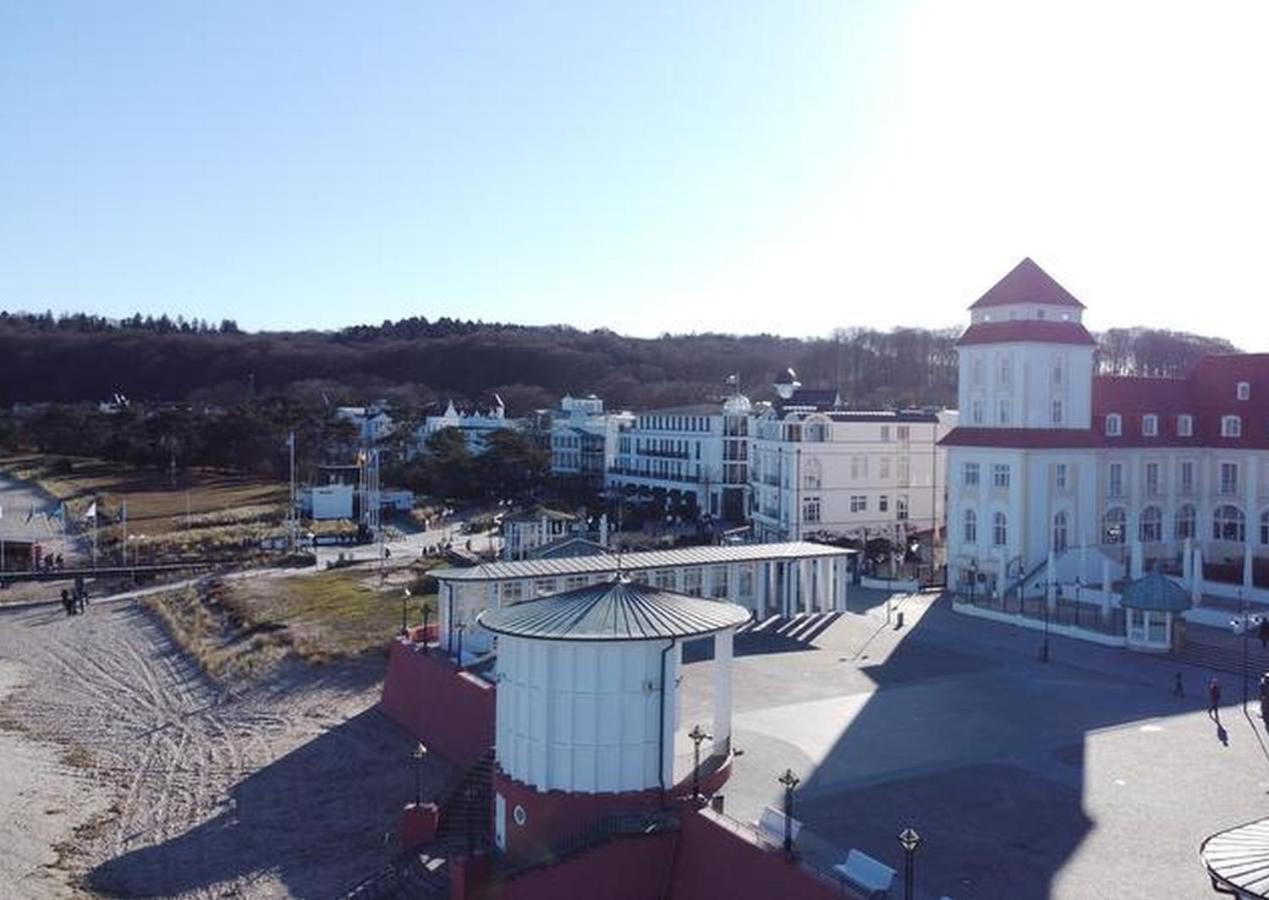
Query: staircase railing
{"x": 598, "y": 833}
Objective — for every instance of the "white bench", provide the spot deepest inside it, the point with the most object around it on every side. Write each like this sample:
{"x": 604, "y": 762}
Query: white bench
{"x": 866, "y": 874}
{"x": 771, "y": 825}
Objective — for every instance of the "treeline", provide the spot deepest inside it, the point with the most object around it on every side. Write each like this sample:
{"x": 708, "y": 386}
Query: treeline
{"x": 86, "y": 323}
{"x": 415, "y": 362}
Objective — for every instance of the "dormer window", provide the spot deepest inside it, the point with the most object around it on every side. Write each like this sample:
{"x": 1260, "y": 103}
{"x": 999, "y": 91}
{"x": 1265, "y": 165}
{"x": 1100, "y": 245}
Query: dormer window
{"x": 1231, "y": 426}
{"x": 1244, "y": 390}
{"x": 1185, "y": 426}
{"x": 1114, "y": 425}
{"x": 1150, "y": 425}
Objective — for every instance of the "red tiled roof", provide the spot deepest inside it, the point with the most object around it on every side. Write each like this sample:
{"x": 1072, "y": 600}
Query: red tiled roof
{"x": 1043, "y": 330}
{"x": 1027, "y": 283}
{"x": 1021, "y": 438}
{"x": 1207, "y": 393}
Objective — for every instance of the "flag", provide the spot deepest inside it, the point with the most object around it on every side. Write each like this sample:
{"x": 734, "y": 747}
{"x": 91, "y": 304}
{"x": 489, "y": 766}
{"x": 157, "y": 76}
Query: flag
{"x": 92, "y": 511}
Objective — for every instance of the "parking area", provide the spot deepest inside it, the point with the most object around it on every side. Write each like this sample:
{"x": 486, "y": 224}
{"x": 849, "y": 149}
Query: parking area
{"x": 1081, "y": 777}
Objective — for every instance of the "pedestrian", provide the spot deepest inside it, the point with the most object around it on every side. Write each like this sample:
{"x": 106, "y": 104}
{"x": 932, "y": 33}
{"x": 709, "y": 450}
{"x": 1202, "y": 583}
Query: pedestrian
{"x": 1214, "y": 698}
{"x": 82, "y": 595}
{"x": 1178, "y": 690}
{"x": 66, "y": 603}
{"x": 1263, "y": 633}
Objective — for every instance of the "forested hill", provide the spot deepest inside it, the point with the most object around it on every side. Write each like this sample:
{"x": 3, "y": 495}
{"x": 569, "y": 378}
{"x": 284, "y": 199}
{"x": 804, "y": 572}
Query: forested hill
{"x": 416, "y": 361}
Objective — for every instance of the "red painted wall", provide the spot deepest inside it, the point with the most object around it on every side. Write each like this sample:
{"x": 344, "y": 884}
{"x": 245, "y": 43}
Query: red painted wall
{"x": 714, "y": 861}
{"x": 633, "y": 868}
{"x": 450, "y": 712}
{"x": 554, "y": 815}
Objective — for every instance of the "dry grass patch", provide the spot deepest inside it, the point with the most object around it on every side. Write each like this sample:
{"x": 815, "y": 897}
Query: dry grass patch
{"x": 246, "y": 626}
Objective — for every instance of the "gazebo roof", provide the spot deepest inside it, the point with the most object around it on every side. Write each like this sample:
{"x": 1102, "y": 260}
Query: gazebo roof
{"x": 1156, "y": 591}
{"x": 617, "y": 610}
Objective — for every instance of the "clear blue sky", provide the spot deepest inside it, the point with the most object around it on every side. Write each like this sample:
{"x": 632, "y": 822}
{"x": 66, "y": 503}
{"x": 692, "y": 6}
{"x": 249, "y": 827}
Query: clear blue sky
{"x": 737, "y": 166}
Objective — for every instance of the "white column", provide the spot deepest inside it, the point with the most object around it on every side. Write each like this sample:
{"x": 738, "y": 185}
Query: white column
{"x": 1050, "y": 579}
{"x": 679, "y": 579}
{"x": 804, "y": 585}
{"x": 786, "y": 589}
{"x": 722, "y": 692}
{"x": 1252, "y": 522}
{"x": 707, "y": 581}
{"x": 1187, "y": 562}
{"x": 1137, "y": 559}
{"x": 843, "y": 582}
{"x": 761, "y": 588}
{"x": 1196, "y": 585}
{"x": 733, "y": 586}
{"x": 1106, "y": 575}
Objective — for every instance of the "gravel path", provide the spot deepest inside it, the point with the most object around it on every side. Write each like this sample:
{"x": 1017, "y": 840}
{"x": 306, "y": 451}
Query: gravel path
{"x": 163, "y": 783}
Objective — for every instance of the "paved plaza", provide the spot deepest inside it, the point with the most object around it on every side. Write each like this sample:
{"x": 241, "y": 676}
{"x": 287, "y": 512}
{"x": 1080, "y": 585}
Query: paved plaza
{"x": 1080, "y": 778}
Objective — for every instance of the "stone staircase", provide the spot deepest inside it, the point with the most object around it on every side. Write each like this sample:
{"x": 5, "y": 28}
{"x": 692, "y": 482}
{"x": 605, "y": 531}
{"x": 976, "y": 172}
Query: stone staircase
{"x": 466, "y": 825}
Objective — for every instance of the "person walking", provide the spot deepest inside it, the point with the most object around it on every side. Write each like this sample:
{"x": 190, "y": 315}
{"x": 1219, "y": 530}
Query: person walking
{"x": 1214, "y": 698}
{"x": 1263, "y": 633}
{"x": 1178, "y": 689}
{"x": 66, "y": 603}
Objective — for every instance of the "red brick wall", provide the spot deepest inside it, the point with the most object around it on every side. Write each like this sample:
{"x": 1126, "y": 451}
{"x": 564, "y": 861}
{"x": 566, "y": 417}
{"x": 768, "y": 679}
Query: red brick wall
{"x": 450, "y": 712}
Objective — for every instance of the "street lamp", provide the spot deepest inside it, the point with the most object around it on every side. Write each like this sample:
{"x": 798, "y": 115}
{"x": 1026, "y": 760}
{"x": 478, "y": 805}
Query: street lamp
{"x": 460, "y": 628}
{"x": 697, "y": 735}
{"x": 790, "y": 781}
{"x": 405, "y": 596}
{"x": 908, "y": 839}
{"x": 420, "y": 752}
{"x": 426, "y": 611}
{"x": 973, "y": 580}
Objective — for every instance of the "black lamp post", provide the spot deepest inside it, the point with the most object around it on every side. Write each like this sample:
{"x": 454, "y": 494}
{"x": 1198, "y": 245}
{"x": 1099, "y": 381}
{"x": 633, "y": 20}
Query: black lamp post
{"x": 908, "y": 839}
{"x": 405, "y": 596}
{"x": 426, "y": 611}
{"x": 973, "y": 580}
{"x": 460, "y": 628}
{"x": 790, "y": 781}
{"x": 420, "y": 752}
{"x": 697, "y": 735}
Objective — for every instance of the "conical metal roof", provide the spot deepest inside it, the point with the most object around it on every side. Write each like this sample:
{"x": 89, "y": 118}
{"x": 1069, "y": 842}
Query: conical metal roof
{"x": 1156, "y": 591}
{"x": 617, "y": 610}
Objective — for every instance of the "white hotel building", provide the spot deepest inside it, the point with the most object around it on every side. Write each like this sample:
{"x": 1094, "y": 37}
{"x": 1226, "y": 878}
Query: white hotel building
{"x": 698, "y": 453}
{"x": 853, "y": 473}
{"x": 1109, "y": 474}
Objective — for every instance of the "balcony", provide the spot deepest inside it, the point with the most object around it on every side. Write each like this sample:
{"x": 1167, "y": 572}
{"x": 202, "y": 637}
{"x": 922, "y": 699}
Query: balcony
{"x": 665, "y": 454}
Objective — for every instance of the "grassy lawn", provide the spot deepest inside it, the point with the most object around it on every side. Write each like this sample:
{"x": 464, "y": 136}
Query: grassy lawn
{"x": 244, "y": 626}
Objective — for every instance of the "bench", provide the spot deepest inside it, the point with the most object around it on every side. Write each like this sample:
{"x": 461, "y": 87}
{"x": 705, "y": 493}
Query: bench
{"x": 771, "y": 826}
{"x": 866, "y": 874}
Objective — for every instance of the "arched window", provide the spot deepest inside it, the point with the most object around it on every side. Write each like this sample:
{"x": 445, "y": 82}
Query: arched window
{"x": 1185, "y": 519}
{"x": 1150, "y": 528}
{"x": 1228, "y": 524}
{"x": 971, "y": 527}
{"x": 1113, "y": 526}
{"x": 1059, "y": 532}
{"x": 815, "y": 431}
{"x": 976, "y": 370}
{"x": 811, "y": 474}
{"x": 999, "y": 529}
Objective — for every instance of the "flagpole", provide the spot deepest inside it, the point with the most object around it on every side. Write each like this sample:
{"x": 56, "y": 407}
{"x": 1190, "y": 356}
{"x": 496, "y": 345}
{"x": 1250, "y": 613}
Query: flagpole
{"x": 125, "y": 532}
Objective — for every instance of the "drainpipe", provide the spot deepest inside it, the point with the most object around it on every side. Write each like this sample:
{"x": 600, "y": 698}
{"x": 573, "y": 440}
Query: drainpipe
{"x": 661, "y": 725}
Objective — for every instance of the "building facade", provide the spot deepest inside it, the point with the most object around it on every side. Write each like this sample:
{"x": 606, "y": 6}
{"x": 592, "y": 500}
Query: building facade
{"x": 476, "y": 425}
{"x": 1104, "y": 473}
{"x": 691, "y": 458}
{"x": 818, "y": 469}
{"x": 584, "y": 438}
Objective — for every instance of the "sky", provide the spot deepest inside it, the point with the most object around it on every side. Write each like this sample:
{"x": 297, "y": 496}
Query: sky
{"x": 785, "y": 167}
